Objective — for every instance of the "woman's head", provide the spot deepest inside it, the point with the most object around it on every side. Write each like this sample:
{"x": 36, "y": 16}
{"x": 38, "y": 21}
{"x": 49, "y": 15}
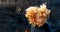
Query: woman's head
{"x": 37, "y": 15}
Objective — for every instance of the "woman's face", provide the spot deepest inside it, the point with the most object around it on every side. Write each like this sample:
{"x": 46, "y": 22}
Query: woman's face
{"x": 40, "y": 19}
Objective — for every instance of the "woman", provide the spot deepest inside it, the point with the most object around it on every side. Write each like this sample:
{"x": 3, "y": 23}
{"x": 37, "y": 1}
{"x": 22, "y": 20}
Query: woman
{"x": 37, "y": 17}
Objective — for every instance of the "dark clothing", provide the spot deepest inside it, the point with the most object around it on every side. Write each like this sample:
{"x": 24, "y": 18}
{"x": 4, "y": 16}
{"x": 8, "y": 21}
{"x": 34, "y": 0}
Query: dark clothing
{"x": 44, "y": 28}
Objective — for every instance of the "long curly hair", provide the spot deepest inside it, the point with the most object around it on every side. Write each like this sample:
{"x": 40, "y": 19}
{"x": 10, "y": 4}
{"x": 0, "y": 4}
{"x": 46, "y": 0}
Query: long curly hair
{"x": 37, "y": 16}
